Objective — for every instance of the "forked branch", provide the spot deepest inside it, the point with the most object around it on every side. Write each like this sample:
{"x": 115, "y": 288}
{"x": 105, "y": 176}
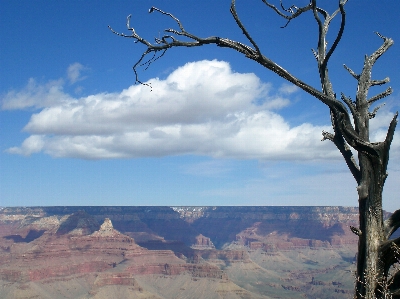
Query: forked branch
{"x": 340, "y": 32}
{"x": 165, "y": 42}
{"x": 364, "y": 79}
{"x": 293, "y": 11}
{"x": 343, "y": 147}
{"x": 241, "y": 26}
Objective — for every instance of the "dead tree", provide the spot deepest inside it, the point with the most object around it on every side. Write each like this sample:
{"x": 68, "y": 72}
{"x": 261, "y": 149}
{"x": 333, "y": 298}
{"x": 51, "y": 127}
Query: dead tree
{"x": 376, "y": 253}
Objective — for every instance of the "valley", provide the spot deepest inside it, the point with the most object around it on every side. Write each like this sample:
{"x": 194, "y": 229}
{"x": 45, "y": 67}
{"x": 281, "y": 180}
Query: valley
{"x": 177, "y": 252}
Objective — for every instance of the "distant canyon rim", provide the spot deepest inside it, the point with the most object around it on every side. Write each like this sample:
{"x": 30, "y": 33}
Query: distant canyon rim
{"x": 177, "y": 252}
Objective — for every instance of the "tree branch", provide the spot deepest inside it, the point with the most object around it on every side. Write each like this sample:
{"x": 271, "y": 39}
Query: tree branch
{"x": 388, "y": 141}
{"x": 373, "y": 113}
{"x": 394, "y": 285}
{"x": 382, "y": 95}
{"x": 364, "y": 80}
{"x": 224, "y": 42}
{"x": 315, "y": 53}
{"x": 392, "y": 224}
{"x": 340, "y": 32}
{"x": 356, "y": 230}
{"x": 355, "y": 76}
{"x": 341, "y": 115}
{"x": 241, "y": 26}
{"x": 344, "y": 149}
{"x": 389, "y": 253}
{"x": 379, "y": 82}
{"x": 321, "y": 33}
{"x": 293, "y": 10}
{"x": 387, "y": 43}
{"x": 349, "y": 104}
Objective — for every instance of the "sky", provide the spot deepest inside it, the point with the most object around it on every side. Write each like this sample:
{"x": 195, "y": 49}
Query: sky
{"x": 214, "y": 128}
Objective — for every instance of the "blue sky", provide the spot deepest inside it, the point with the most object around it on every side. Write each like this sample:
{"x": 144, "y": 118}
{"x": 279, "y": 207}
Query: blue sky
{"x": 216, "y": 129}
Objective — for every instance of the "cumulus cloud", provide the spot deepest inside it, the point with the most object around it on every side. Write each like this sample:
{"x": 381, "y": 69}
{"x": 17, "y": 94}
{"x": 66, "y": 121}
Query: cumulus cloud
{"x": 201, "y": 108}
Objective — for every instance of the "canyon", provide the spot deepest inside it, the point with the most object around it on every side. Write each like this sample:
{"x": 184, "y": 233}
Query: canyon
{"x": 177, "y": 252}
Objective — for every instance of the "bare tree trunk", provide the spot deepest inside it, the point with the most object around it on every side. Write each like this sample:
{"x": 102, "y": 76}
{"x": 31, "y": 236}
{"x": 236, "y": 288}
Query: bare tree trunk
{"x": 370, "y": 270}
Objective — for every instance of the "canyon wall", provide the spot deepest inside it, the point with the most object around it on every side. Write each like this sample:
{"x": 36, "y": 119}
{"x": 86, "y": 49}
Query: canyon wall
{"x": 108, "y": 246}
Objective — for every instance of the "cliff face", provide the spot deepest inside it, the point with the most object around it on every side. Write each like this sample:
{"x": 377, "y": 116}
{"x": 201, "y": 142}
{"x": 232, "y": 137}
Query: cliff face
{"x": 198, "y": 227}
{"x": 72, "y": 246}
{"x": 251, "y": 224}
{"x": 112, "y": 245}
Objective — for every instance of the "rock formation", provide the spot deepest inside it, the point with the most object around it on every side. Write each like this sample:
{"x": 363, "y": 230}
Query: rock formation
{"x": 202, "y": 242}
{"x": 216, "y": 244}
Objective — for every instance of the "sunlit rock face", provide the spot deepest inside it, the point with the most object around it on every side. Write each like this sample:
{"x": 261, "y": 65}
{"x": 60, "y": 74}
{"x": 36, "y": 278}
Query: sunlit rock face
{"x": 136, "y": 248}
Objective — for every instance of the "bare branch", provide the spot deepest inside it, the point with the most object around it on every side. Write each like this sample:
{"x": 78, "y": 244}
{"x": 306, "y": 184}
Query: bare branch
{"x": 152, "y": 9}
{"x": 362, "y": 102}
{"x": 340, "y": 33}
{"x": 341, "y": 3}
{"x": 139, "y": 62}
{"x": 341, "y": 115}
{"x": 382, "y": 95}
{"x": 327, "y": 136}
{"x": 394, "y": 285}
{"x": 389, "y": 252}
{"x": 241, "y": 26}
{"x": 315, "y": 53}
{"x": 387, "y": 43}
{"x": 356, "y": 230}
{"x": 322, "y": 11}
{"x": 240, "y": 47}
{"x": 293, "y": 10}
{"x": 392, "y": 224}
{"x": 364, "y": 80}
{"x": 168, "y": 41}
{"x": 379, "y": 82}
{"x": 355, "y": 76}
{"x": 373, "y": 113}
{"x": 349, "y": 104}
{"x": 133, "y": 35}
{"x": 344, "y": 148}
{"x": 321, "y": 34}
{"x": 388, "y": 141}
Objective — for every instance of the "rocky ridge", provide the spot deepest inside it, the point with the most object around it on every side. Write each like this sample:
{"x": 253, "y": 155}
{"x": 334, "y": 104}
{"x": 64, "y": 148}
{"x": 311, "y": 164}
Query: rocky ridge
{"x": 43, "y": 244}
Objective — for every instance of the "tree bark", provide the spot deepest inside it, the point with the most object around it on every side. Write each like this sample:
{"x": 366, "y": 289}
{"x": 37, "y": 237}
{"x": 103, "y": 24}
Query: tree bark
{"x": 370, "y": 270}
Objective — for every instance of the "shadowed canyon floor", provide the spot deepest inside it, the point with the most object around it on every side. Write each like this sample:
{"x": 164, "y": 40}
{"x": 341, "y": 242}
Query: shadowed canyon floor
{"x": 179, "y": 252}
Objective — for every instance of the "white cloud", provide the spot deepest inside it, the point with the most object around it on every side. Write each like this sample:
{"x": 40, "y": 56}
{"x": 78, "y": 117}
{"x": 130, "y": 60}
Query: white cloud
{"x": 32, "y": 144}
{"x": 74, "y": 72}
{"x": 201, "y": 108}
{"x": 36, "y": 95}
{"x": 288, "y": 88}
